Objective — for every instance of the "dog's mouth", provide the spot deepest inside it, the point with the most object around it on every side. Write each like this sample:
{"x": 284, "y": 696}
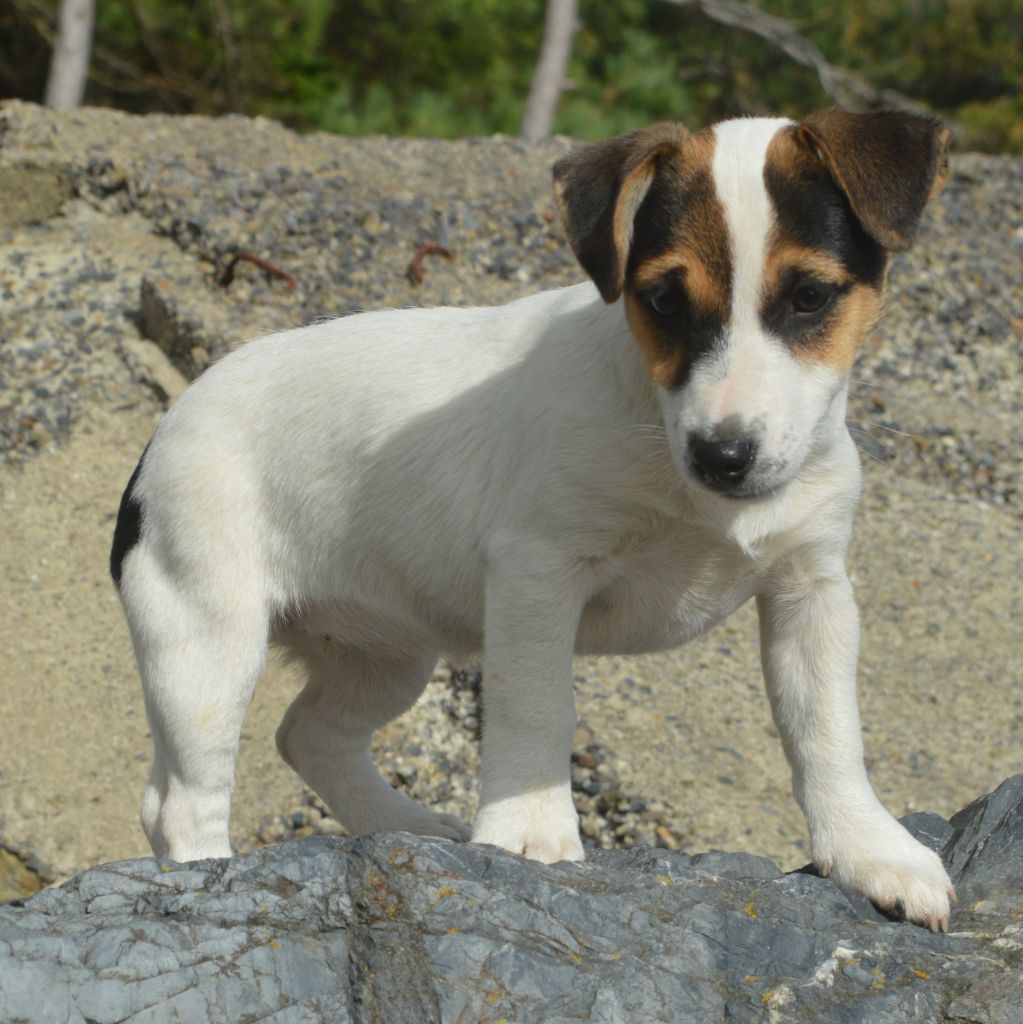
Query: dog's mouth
{"x": 763, "y": 480}
{"x": 745, "y": 491}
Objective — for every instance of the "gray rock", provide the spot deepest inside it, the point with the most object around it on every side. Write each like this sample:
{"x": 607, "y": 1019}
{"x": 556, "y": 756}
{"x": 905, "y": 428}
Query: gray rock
{"x": 192, "y": 337}
{"x": 398, "y": 928}
{"x": 984, "y": 851}
{"x": 32, "y": 193}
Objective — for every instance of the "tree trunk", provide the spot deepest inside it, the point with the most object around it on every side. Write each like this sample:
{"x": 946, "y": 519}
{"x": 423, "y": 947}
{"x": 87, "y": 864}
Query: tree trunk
{"x": 69, "y": 64}
{"x": 549, "y": 77}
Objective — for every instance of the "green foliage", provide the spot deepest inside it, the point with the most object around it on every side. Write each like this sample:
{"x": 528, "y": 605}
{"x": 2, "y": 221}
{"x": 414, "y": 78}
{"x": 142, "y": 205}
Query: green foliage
{"x": 463, "y": 67}
{"x": 448, "y": 68}
{"x": 994, "y": 126}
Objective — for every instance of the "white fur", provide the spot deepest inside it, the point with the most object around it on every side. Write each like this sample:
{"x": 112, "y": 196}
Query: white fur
{"x": 380, "y": 489}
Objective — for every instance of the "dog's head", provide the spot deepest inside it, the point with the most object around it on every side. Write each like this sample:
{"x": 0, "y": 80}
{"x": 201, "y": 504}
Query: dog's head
{"x": 751, "y": 258}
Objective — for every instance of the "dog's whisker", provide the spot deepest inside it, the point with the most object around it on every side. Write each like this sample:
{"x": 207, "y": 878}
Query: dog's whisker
{"x": 867, "y": 451}
{"x": 866, "y": 433}
{"x": 649, "y": 430}
{"x": 900, "y": 433}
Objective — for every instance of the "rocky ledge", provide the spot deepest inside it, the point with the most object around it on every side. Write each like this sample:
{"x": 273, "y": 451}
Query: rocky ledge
{"x": 397, "y": 928}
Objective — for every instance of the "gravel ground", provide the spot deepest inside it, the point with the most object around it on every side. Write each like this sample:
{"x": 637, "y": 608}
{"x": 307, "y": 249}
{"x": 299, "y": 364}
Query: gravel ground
{"x": 116, "y": 235}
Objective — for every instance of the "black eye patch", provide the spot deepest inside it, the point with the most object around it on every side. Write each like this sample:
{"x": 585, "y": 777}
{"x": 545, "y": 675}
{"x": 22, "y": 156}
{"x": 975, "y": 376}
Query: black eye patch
{"x": 670, "y": 305}
{"x": 682, "y": 327}
{"x": 802, "y": 306}
{"x": 810, "y": 298}
{"x": 666, "y": 301}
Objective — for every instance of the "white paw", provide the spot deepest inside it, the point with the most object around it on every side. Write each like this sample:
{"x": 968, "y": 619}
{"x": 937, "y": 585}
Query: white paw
{"x": 902, "y": 877}
{"x": 533, "y": 827}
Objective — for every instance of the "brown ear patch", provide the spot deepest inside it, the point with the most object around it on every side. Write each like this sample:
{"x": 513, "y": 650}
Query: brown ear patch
{"x": 681, "y": 253}
{"x": 683, "y": 224}
{"x": 888, "y": 164}
{"x": 599, "y": 189}
{"x": 633, "y": 191}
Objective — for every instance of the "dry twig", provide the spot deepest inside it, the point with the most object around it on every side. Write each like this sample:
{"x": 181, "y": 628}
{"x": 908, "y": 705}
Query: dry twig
{"x": 250, "y": 257}
{"x": 415, "y": 271}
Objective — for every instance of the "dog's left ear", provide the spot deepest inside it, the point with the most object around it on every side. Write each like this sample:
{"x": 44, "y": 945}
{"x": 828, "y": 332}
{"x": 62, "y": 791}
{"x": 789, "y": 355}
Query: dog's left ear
{"x": 599, "y": 190}
{"x": 888, "y": 164}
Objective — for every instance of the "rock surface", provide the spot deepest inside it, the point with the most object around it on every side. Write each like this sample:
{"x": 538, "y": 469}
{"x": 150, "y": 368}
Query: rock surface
{"x": 116, "y": 233}
{"x": 396, "y": 928}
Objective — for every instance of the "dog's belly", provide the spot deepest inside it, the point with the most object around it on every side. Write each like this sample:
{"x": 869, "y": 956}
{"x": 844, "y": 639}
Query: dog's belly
{"x": 659, "y": 595}
{"x": 655, "y": 609}
{"x": 623, "y": 619}
{"x": 360, "y": 626}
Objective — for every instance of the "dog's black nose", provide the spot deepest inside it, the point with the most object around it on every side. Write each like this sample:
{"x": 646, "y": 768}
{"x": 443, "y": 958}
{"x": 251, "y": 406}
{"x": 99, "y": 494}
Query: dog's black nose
{"x": 721, "y": 464}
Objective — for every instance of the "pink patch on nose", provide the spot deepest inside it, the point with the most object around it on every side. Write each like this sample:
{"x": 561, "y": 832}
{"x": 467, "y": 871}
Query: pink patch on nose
{"x": 722, "y": 407}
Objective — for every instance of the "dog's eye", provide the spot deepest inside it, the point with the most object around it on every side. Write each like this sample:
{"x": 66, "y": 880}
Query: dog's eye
{"x": 810, "y": 298}
{"x": 666, "y": 302}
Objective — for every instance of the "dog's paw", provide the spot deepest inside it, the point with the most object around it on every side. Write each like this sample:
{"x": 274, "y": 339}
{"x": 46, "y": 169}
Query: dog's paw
{"x": 531, "y": 828}
{"x": 447, "y": 826}
{"x": 903, "y": 878}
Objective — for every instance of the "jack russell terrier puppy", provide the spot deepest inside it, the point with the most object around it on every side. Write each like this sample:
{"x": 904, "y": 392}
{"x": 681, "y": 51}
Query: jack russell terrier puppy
{"x": 608, "y": 468}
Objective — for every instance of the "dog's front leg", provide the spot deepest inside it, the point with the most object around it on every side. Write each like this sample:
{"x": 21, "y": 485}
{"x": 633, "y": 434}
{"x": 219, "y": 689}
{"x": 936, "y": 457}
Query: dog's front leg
{"x": 533, "y": 605}
{"x": 809, "y": 630}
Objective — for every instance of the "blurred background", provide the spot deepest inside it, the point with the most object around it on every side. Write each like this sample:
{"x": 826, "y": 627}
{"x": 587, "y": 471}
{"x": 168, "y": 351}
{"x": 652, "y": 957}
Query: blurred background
{"x": 466, "y": 67}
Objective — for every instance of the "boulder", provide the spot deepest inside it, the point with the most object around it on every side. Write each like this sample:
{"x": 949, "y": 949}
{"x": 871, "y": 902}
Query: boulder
{"x": 398, "y": 928}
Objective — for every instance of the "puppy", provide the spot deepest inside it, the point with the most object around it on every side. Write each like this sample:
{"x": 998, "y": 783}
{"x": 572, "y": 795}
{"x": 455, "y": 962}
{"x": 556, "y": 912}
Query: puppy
{"x": 609, "y": 468}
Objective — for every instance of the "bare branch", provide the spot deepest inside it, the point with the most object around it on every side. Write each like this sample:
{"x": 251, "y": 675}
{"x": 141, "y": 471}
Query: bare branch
{"x": 844, "y": 87}
{"x": 559, "y": 29}
{"x": 232, "y": 61}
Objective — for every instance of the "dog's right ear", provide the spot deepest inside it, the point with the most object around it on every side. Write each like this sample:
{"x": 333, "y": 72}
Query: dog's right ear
{"x": 888, "y": 164}
{"x": 599, "y": 190}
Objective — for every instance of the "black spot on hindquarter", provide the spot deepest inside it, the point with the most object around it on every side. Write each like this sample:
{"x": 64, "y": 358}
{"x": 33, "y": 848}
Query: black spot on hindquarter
{"x": 129, "y": 525}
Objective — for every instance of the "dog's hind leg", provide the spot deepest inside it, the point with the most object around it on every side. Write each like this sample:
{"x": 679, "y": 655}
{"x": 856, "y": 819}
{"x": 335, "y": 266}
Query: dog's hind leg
{"x": 200, "y": 658}
{"x": 325, "y": 736}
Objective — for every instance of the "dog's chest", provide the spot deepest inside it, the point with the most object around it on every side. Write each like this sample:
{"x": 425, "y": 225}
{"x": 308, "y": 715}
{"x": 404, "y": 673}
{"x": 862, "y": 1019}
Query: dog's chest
{"x": 666, "y": 593}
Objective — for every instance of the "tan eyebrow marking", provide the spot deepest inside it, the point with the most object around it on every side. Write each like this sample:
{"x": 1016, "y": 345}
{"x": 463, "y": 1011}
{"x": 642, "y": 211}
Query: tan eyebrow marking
{"x": 786, "y": 256}
{"x": 702, "y": 289}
